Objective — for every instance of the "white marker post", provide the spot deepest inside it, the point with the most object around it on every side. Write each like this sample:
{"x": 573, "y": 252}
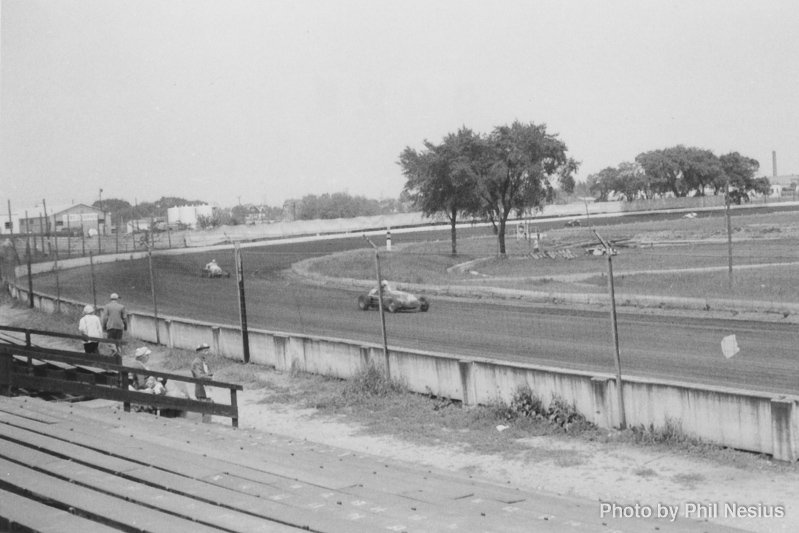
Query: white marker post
{"x": 388, "y": 239}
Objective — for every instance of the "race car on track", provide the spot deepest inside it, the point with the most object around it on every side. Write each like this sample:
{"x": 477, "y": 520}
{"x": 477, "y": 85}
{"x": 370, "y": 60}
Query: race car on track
{"x": 573, "y": 223}
{"x": 393, "y": 300}
{"x": 208, "y": 273}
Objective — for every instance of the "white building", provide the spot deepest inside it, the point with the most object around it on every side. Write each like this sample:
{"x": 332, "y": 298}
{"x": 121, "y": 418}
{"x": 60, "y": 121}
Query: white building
{"x": 187, "y": 214}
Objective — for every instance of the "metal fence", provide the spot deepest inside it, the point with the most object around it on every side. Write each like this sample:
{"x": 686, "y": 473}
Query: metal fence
{"x": 693, "y": 303}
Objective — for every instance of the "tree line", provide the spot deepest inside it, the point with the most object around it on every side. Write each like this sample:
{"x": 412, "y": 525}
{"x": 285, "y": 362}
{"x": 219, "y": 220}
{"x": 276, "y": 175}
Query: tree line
{"x": 678, "y": 171}
{"x": 511, "y": 170}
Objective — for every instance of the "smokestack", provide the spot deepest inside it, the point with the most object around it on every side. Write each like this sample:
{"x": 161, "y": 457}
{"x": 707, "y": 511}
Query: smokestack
{"x": 774, "y": 162}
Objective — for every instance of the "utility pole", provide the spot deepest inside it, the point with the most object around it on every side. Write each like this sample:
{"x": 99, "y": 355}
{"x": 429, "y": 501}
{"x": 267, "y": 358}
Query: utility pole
{"x": 615, "y": 328}
{"x": 380, "y": 302}
{"x": 152, "y": 289}
{"x": 30, "y": 273}
{"x": 729, "y": 232}
{"x": 10, "y": 220}
{"x": 94, "y": 287}
{"x": 245, "y": 340}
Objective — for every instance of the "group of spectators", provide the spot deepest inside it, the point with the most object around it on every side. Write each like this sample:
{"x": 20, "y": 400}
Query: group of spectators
{"x": 111, "y": 324}
{"x": 113, "y": 321}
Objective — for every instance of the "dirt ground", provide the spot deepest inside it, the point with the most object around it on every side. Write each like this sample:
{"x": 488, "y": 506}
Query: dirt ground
{"x": 602, "y": 472}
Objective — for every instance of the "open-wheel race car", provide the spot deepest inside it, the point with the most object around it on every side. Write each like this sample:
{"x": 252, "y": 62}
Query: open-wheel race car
{"x": 208, "y": 273}
{"x": 393, "y": 300}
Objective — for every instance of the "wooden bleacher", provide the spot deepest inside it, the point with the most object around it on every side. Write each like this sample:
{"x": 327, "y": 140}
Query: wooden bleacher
{"x": 37, "y": 369}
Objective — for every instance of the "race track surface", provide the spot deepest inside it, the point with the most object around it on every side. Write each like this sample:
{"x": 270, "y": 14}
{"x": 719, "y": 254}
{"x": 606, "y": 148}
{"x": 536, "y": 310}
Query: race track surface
{"x": 667, "y": 347}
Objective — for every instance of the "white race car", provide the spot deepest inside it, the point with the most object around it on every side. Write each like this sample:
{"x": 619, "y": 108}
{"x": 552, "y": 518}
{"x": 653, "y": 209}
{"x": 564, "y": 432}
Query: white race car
{"x": 208, "y": 273}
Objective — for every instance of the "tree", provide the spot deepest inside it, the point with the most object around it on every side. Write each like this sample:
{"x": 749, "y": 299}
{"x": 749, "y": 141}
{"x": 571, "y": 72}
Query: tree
{"x": 441, "y": 177}
{"x": 663, "y": 171}
{"x": 740, "y": 172}
{"x": 336, "y": 205}
{"x": 515, "y": 170}
{"x": 681, "y": 170}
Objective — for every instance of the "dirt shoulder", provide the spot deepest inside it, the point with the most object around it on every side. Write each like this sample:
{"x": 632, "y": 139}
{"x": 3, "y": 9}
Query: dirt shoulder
{"x": 602, "y": 469}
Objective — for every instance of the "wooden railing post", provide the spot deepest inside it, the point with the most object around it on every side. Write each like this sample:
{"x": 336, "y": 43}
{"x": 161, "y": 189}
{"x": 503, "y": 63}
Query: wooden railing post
{"x": 234, "y": 407}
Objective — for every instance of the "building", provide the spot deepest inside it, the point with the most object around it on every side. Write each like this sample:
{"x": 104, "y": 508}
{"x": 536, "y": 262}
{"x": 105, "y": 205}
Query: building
{"x": 784, "y": 185}
{"x": 188, "y": 214}
{"x": 75, "y": 219}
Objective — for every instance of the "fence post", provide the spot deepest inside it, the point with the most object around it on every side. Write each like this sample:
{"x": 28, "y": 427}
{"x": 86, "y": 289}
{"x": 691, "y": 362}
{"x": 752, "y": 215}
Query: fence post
{"x": 380, "y": 306}
{"x": 245, "y": 340}
{"x": 615, "y": 328}
{"x": 57, "y": 284}
{"x": 94, "y": 288}
{"x": 155, "y": 303}
{"x": 30, "y": 273}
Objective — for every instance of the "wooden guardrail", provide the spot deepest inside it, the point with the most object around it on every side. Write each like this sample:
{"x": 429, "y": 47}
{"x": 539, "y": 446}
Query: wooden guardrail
{"x": 12, "y": 375}
{"x": 30, "y": 332}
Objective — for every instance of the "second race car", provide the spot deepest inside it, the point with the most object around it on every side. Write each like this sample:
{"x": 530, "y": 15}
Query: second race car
{"x": 393, "y": 300}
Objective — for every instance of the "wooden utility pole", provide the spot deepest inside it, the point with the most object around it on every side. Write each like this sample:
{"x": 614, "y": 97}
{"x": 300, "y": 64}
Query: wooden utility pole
{"x": 380, "y": 299}
{"x": 69, "y": 236}
{"x": 10, "y": 220}
{"x": 729, "y": 233}
{"x": 614, "y": 324}
{"x": 94, "y": 287}
{"x": 47, "y": 226}
{"x": 245, "y": 340}
{"x": 152, "y": 289}
{"x": 57, "y": 284}
{"x": 30, "y": 270}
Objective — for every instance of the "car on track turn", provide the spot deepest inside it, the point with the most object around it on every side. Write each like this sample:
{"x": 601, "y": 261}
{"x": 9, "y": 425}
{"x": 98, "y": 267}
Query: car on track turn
{"x": 573, "y": 223}
{"x": 206, "y": 273}
{"x": 393, "y": 300}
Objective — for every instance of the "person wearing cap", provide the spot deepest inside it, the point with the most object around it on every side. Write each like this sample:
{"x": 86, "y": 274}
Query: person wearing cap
{"x": 199, "y": 370}
{"x": 115, "y": 318}
{"x": 90, "y": 326}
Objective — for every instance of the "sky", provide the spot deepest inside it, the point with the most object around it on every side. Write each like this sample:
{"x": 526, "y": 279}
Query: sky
{"x": 239, "y": 101}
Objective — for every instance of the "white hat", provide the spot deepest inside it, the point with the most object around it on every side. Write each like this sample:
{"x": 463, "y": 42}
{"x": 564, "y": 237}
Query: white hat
{"x": 88, "y": 310}
{"x": 142, "y": 352}
{"x": 114, "y": 296}
{"x": 202, "y": 347}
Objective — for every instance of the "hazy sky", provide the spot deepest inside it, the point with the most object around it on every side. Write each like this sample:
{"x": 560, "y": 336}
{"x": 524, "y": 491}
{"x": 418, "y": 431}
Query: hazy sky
{"x": 222, "y": 99}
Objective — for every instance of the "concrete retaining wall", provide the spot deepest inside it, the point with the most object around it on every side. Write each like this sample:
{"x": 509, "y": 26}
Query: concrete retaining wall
{"x": 753, "y": 421}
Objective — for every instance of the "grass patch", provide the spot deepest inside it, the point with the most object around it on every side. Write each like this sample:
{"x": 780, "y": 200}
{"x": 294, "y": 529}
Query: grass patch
{"x": 760, "y": 240}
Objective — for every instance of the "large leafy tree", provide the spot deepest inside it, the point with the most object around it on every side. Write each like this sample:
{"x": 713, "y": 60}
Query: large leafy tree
{"x": 628, "y": 181}
{"x": 515, "y": 171}
{"x": 663, "y": 171}
{"x": 336, "y": 205}
{"x": 441, "y": 178}
{"x": 740, "y": 171}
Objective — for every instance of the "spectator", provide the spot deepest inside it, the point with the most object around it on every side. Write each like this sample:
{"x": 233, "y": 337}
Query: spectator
{"x": 115, "y": 318}
{"x": 90, "y": 326}
{"x": 142, "y": 356}
{"x": 199, "y": 370}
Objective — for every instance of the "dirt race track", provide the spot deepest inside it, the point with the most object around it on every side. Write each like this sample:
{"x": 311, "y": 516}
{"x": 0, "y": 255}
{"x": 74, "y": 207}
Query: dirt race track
{"x": 677, "y": 347}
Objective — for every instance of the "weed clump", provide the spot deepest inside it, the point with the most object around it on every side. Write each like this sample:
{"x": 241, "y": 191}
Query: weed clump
{"x": 370, "y": 383}
{"x": 525, "y": 404}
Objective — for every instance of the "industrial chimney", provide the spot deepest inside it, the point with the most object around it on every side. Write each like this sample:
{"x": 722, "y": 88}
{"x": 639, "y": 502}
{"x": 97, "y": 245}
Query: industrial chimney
{"x": 774, "y": 162}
